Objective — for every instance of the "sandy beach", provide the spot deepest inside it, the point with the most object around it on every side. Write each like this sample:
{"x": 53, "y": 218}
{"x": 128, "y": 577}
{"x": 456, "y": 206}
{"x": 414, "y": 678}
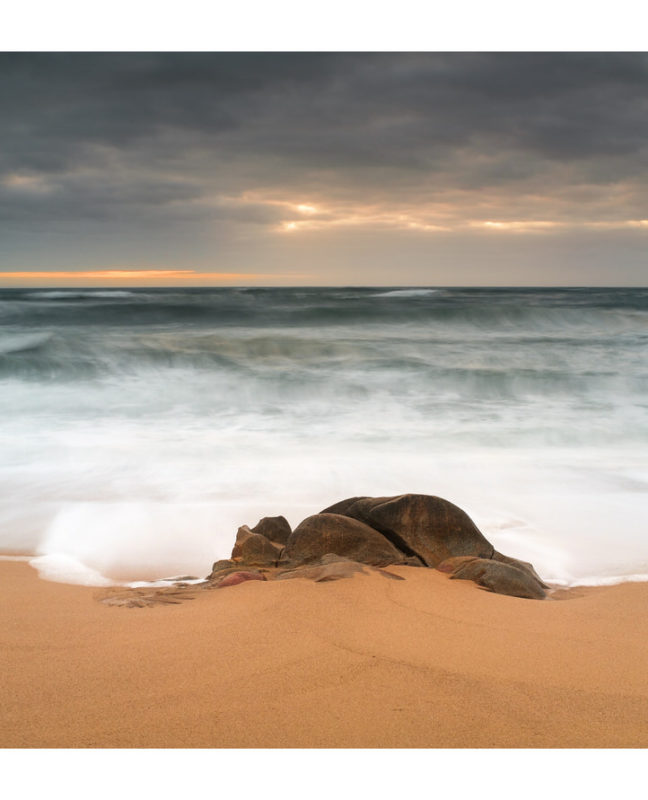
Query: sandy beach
{"x": 365, "y": 662}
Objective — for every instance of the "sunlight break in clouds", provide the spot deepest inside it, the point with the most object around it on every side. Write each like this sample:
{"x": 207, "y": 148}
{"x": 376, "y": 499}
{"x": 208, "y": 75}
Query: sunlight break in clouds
{"x": 436, "y": 217}
{"x": 395, "y": 220}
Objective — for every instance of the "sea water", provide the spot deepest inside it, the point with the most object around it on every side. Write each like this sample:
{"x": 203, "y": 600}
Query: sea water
{"x": 140, "y": 428}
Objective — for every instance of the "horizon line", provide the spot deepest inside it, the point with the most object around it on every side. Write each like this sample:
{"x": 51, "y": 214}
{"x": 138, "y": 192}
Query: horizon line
{"x": 61, "y": 287}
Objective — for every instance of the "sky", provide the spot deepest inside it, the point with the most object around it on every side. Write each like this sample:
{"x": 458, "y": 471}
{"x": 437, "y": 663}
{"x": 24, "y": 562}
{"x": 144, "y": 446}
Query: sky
{"x": 323, "y": 169}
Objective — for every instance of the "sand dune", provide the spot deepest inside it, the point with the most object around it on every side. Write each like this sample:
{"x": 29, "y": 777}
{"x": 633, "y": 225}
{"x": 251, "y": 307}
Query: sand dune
{"x": 362, "y": 662}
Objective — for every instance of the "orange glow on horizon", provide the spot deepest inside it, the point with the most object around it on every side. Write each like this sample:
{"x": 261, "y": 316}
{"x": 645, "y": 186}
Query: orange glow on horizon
{"x": 143, "y": 277}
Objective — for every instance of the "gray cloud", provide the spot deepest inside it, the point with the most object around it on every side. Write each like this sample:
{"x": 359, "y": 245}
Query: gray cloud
{"x": 165, "y": 139}
{"x": 325, "y": 107}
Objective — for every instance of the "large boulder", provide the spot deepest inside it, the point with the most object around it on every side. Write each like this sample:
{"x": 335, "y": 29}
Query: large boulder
{"x": 322, "y": 534}
{"x": 419, "y": 525}
{"x": 253, "y": 549}
{"x": 343, "y": 505}
{"x": 497, "y": 576}
{"x": 277, "y": 529}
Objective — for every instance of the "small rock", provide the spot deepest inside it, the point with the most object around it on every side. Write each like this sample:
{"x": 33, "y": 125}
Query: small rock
{"x": 234, "y": 578}
{"x": 253, "y": 549}
{"x": 499, "y": 577}
{"x": 323, "y": 572}
{"x": 332, "y": 567}
{"x": 523, "y": 565}
{"x": 222, "y": 567}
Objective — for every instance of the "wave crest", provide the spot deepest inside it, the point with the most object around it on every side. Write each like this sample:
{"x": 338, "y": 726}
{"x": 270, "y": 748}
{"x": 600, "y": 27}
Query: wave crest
{"x": 406, "y": 293}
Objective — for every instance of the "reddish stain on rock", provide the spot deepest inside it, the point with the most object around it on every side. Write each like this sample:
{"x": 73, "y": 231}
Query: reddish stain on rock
{"x": 240, "y": 577}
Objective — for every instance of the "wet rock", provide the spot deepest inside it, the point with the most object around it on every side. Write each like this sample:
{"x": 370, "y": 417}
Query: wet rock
{"x": 277, "y": 529}
{"x": 425, "y": 526}
{"x": 253, "y": 549}
{"x": 323, "y": 534}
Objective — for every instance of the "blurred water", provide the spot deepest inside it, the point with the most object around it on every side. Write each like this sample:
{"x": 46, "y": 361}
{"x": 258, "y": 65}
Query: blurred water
{"x": 139, "y": 428}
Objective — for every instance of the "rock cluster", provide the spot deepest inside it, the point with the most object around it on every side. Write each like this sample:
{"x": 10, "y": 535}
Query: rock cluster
{"x": 371, "y": 533}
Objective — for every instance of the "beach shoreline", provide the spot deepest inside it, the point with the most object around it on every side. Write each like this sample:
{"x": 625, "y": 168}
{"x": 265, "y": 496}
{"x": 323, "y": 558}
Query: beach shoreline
{"x": 365, "y": 662}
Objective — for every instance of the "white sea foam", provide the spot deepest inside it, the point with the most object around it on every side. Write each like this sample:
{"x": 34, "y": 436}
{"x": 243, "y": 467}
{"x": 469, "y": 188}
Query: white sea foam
{"x": 526, "y": 505}
{"x": 63, "y": 568}
{"x": 125, "y": 541}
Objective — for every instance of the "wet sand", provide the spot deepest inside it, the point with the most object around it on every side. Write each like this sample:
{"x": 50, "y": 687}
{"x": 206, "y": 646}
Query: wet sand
{"x": 363, "y": 662}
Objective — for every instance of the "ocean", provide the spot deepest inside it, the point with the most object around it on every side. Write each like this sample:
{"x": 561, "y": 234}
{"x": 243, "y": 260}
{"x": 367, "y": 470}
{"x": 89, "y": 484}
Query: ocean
{"x": 140, "y": 427}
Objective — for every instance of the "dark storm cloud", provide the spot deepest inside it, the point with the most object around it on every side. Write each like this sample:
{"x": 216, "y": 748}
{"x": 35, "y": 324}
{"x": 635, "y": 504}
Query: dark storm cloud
{"x": 328, "y": 109}
{"x": 56, "y": 104}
